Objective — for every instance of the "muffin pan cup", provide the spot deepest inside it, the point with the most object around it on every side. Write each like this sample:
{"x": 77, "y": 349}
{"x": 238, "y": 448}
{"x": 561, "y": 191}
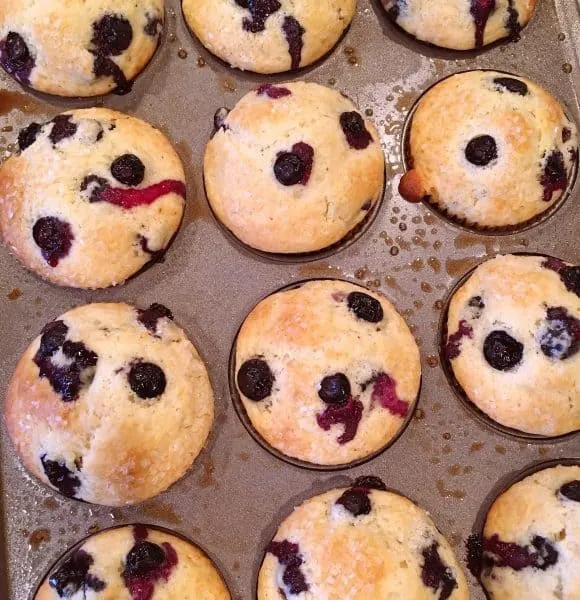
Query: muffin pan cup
{"x": 244, "y": 418}
{"x": 80, "y": 542}
{"x": 502, "y": 486}
{"x": 463, "y": 223}
{"x": 236, "y": 494}
{"x": 479, "y": 414}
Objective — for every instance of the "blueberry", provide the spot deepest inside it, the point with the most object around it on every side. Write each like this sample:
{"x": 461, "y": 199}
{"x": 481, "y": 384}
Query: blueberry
{"x": 143, "y": 558}
{"x": 354, "y": 128}
{"x": 476, "y": 302}
{"x": 128, "y": 169}
{"x": 571, "y": 279}
{"x": 288, "y": 555}
{"x": 436, "y": 574}
{"x": 335, "y": 389}
{"x": 60, "y": 476}
{"x": 289, "y": 168}
{"x": 255, "y": 379}
{"x": 559, "y": 334}
{"x": 356, "y": 501}
{"x": 105, "y": 67}
{"x": 365, "y": 307}
{"x": 147, "y": 380}
{"x": 53, "y": 337}
{"x": 80, "y": 354}
{"x": 62, "y": 128}
{"x": 73, "y": 576}
{"x": 571, "y": 490}
{"x": 273, "y": 91}
{"x": 16, "y": 58}
{"x": 112, "y": 35}
{"x": 54, "y": 238}
{"x": 546, "y": 555}
{"x": 554, "y": 176}
{"x": 150, "y": 317}
{"x": 369, "y": 482}
{"x": 502, "y": 351}
{"x": 515, "y": 86}
{"x": 261, "y": 10}
{"x": 219, "y": 118}
{"x": 566, "y": 134}
{"x": 97, "y": 186}
{"x": 481, "y": 150}
{"x": 294, "y": 167}
{"x": 294, "y": 32}
{"x": 28, "y": 135}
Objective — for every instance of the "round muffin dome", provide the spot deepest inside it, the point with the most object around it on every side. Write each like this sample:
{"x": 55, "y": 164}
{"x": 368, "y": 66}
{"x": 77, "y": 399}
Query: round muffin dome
{"x": 134, "y": 562}
{"x": 362, "y": 541}
{"x": 293, "y": 168}
{"x": 531, "y": 538}
{"x": 513, "y": 335}
{"x": 111, "y": 404}
{"x": 489, "y": 150}
{"x": 269, "y": 36}
{"x": 93, "y": 196}
{"x": 78, "y": 48}
{"x": 461, "y": 24}
{"x": 327, "y": 372}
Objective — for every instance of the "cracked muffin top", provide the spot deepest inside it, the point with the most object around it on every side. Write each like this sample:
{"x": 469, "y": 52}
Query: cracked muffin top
{"x": 110, "y": 404}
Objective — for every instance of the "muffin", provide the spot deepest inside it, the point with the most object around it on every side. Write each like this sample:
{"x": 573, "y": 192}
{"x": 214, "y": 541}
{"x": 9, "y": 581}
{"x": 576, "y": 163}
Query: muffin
{"x": 78, "y": 48}
{"x": 91, "y": 198}
{"x": 489, "y": 150}
{"x": 461, "y": 24}
{"x": 362, "y": 541}
{"x": 269, "y": 36}
{"x": 531, "y": 538}
{"x": 327, "y": 372}
{"x": 293, "y": 168}
{"x": 136, "y": 562}
{"x": 110, "y": 404}
{"x": 513, "y": 334}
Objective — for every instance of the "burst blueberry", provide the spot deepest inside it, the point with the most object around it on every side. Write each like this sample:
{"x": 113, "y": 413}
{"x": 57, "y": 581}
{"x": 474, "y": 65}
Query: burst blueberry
{"x": 73, "y": 576}
{"x": 54, "y": 238}
{"x": 16, "y": 58}
{"x": 571, "y": 490}
{"x": 515, "y": 86}
{"x": 60, "y": 476}
{"x": 28, "y": 135}
{"x": 436, "y": 574}
{"x": 143, "y": 558}
{"x": 356, "y": 502}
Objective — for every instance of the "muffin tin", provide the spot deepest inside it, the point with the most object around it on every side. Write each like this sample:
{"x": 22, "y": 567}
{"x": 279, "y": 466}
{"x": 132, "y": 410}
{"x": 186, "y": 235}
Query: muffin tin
{"x": 236, "y": 494}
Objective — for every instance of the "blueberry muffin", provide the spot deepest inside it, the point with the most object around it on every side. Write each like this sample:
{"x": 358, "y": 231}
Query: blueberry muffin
{"x": 531, "y": 539}
{"x": 328, "y": 372}
{"x": 269, "y": 36}
{"x": 91, "y": 198}
{"x": 110, "y": 404}
{"x": 362, "y": 542}
{"x": 461, "y": 24}
{"x": 489, "y": 150}
{"x": 513, "y": 334}
{"x": 136, "y": 562}
{"x": 78, "y": 48}
{"x": 293, "y": 168}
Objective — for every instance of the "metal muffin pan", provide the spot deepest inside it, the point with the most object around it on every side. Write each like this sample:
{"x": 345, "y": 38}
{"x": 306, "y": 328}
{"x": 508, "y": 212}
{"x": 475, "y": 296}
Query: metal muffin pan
{"x": 236, "y": 494}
